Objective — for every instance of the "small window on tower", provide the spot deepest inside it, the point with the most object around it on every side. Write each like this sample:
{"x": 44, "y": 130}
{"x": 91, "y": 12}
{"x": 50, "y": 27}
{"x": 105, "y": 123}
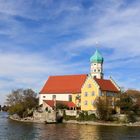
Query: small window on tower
{"x": 94, "y": 70}
{"x": 98, "y": 70}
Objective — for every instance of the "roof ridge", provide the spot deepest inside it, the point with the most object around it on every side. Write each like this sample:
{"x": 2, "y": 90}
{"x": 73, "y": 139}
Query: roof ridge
{"x": 67, "y": 75}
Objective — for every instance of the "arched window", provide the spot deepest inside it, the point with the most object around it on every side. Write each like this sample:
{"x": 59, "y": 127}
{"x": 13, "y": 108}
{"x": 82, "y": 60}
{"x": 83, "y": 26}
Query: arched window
{"x": 70, "y": 98}
{"x": 53, "y": 97}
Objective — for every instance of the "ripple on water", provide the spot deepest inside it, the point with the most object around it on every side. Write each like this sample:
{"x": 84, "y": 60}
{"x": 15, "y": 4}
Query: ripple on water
{"x": 12, "y": 130}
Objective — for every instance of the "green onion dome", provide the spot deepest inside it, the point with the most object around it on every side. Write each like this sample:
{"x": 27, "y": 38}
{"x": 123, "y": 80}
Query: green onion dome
{"x": 96, "y": 58}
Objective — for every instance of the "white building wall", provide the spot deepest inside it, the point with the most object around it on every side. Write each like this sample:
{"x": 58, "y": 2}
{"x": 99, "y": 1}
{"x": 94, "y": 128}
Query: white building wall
{"x": 60, "y": 97}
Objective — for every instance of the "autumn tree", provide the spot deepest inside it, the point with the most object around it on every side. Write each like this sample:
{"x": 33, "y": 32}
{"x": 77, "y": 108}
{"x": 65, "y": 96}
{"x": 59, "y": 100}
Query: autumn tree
{"x": 103, "y": 111}
{"x": 130, "y": 101}
{"x": 22, "y": 101}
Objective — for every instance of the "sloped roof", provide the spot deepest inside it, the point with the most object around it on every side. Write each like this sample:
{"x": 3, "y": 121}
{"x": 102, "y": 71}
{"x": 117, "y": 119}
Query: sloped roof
{"x": 64, "y": 84}
{"x": 67, "y": 103}
{"x": 106, "y": 85}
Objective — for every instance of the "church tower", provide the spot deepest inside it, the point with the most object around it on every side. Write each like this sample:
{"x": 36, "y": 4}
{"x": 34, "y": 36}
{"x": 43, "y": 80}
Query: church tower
{"x": 96, "y": 65}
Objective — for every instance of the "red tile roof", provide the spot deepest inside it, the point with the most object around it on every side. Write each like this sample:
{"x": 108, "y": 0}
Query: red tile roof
{"x": 106, "y": 85}
{"x": 67, "y": 103}
{"x": 64, "y": 84}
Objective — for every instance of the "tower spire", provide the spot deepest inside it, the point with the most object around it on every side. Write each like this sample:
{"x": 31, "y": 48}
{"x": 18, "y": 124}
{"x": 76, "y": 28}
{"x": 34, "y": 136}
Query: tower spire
{"x": 96, "y": 68}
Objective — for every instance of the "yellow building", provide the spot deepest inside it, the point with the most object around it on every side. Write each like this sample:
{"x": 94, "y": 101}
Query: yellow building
{"x": 94, "y": 88}
{"x": 82, "y": 90}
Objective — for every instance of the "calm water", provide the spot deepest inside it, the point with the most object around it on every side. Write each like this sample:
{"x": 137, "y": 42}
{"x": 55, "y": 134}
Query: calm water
{"x": 12, "y": 130}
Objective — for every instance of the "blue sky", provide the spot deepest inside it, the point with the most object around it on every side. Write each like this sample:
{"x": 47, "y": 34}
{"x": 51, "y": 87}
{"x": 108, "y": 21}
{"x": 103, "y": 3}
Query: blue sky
{"x": 39, "y": 38}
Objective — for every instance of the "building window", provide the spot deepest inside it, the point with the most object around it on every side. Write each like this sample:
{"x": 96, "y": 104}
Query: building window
{"x": 86, "y": 94}
{"x": 89, "y": 85}
{"x": 94, "y": 76}
{"x": 94, "y": 64}
{"x": 94, "y": 70}
{"x": 98, "y": 70}
{"x": 100, "y": 93}
{"x": 85, "y": 103}
{"x": 53, "y": 97}
{"x": 70, "y": 98}
{"x": 44, "y": 96}
{"x": 113, "y": 103}
{"x": 92, "y": 94}
{"x": 110, "y": 94}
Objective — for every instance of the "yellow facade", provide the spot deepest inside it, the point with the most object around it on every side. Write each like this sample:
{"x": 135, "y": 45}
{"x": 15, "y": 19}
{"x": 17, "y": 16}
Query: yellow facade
{"x": 76, "y": 98}
{"x": 90, "y": 91}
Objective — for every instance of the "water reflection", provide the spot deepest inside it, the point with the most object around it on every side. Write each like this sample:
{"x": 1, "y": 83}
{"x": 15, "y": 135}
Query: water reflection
{"x": 12, "y": 130}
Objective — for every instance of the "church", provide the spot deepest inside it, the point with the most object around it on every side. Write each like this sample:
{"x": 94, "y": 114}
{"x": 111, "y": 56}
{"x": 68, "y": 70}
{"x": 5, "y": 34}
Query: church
{"x": 80, "y": 91}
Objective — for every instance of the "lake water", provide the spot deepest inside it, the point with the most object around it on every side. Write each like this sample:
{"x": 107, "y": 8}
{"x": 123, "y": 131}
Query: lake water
{"x": 12, "y": 130}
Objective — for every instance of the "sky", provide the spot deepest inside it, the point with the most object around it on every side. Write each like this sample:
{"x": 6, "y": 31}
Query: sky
{"x": 39, "y": 38}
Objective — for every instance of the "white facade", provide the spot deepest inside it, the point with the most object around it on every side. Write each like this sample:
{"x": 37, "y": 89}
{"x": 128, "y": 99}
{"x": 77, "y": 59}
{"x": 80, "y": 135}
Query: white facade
{"x": 96, "y": 70}
{"x": 60, "y": 97}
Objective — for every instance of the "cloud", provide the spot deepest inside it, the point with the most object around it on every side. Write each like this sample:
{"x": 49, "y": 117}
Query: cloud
{"x": 47, "y": 37}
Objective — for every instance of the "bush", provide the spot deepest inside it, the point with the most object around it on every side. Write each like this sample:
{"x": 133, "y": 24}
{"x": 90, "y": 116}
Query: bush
{"x": 61, "y": 106}
{"x": 69, "y": 118}
{"x": 83, "y": 116}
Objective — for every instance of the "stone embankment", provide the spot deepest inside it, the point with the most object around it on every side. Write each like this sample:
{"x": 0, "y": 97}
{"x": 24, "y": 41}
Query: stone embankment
{"x": 102, "y": 123}
{"x": 30, "y": 119}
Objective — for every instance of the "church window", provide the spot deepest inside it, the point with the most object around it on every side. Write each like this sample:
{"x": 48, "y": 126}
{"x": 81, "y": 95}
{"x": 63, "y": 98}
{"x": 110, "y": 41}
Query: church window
{"x": 100, "y": 93}
{"x": 92, "y": 102}
{"x": 86, "y": 94}
{"x": 53, "y": 97}
{"x": 70, "y": 98}
{"x": 89, "y": 85}
{"x": 92, "y": 94}
{"x": 86, "y": 103}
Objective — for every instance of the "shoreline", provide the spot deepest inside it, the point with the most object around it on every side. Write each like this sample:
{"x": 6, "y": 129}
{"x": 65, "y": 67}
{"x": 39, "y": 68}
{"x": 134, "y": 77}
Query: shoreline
{"x": 24, "y": 121}
{"x": 136, "y": 124}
